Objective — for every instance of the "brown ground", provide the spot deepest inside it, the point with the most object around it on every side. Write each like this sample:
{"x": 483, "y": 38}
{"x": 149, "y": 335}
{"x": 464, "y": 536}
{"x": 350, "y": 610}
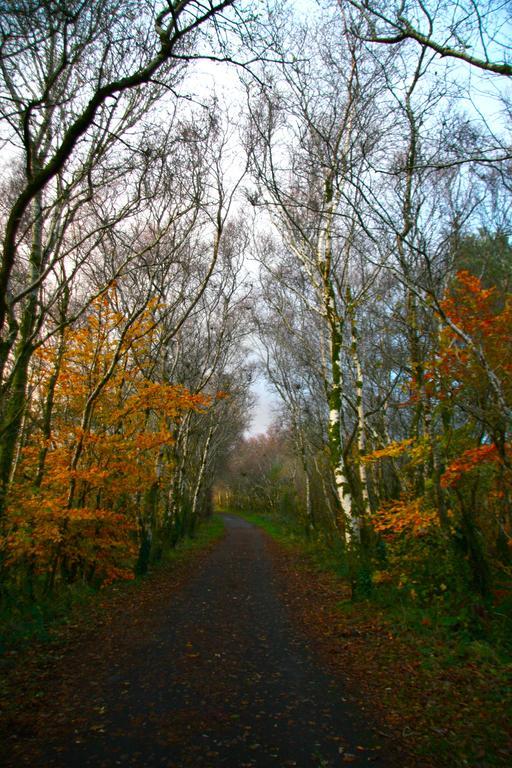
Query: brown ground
{"x": 438, "y": 705}
{"x": 206, "y": 666}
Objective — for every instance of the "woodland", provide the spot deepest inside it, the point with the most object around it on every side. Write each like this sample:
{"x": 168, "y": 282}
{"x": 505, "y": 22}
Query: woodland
{"x": 198, "y": 195}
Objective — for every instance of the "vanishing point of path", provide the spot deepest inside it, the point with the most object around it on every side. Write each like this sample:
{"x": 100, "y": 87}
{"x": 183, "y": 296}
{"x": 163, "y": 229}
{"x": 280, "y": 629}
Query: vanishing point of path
{"x": 221, "y": 679}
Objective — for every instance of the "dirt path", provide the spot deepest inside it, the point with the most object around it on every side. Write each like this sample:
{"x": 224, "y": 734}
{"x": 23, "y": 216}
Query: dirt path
{"x": 213, "y": 676}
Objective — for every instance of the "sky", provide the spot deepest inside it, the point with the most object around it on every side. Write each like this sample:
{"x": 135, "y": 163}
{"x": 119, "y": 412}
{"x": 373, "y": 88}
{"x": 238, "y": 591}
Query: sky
{"x": 262, "y": 413}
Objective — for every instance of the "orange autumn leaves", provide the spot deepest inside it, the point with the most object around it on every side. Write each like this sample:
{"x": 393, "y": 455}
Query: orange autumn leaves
{"x": 471, "y": 460}
{"x": 484, "y": 318}
{"x": 469, "y": 444}
{"x": 77, "y": 496}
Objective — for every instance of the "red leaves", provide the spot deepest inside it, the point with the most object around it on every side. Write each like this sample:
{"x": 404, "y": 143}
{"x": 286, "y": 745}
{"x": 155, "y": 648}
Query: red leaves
{"x": 465, "y": 387}
{"x": 475, "y": 340}
{"x": 468, "y": 461}
{"x": 474, "y": 310}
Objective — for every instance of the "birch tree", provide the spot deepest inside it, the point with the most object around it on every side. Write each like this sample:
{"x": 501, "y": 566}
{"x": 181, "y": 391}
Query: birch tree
{"x": 468, "y": 32}
{"x": 311, "y": 136}
{"x": 76, "y": 81}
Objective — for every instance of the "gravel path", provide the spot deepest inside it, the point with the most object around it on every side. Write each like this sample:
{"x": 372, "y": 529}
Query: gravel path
{"x": 216, "y": 677}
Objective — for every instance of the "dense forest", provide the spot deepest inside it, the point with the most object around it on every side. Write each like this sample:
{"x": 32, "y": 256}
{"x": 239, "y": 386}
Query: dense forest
{"x": 195, "y": 195}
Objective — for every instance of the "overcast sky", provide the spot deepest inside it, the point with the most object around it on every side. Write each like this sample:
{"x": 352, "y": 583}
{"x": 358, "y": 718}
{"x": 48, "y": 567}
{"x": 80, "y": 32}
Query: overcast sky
{"x": 262, "y": 413}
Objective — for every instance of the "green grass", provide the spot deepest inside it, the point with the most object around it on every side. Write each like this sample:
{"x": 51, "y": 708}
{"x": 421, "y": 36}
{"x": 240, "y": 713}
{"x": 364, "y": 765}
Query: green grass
{"x": 205, "y": 534}
{"x": 324, "y": 554}
{"x": 23, "y": 620}
{"x": 456, "y": 619}
{"x": 460, "y": 643}
{"x": 280, "y": 528}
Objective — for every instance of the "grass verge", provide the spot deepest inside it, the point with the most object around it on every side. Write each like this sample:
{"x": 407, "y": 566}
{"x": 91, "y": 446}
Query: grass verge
{"x": 437, "y": 684}
{"x": 326, "y": 556}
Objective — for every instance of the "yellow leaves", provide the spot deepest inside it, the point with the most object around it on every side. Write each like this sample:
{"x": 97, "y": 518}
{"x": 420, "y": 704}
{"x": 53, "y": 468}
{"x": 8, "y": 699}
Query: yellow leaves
{"x": 391, "y": 451}
{"x": 148, "y": 441}
{"x": 164, "y": 400}
{"x": 93, "y": 476}
{"x": 419, "y": 452}
{"x": 413, "y": 516}
{"x": 382, "y": 577}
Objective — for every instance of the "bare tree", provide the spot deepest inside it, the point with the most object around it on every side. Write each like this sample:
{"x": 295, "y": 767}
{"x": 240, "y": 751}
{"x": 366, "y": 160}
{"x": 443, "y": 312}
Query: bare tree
{"x": 311, "y": 137}
{"x": 473, "y": 33}
{"x": 79, "y": 86}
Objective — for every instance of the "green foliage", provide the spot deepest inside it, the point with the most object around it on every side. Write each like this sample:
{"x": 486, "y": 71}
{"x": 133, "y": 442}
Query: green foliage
{"x": 430, "y": 596}
{"x": 281, "y": 527}
{"x": 326, "y": 554}
{"x": 22, "y": 619}
{"x": 487, "y": 255}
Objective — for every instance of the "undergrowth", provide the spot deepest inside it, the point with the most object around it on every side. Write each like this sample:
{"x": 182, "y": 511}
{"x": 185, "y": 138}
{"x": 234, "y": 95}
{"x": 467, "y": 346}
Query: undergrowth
{"x": 24, "y": 618}
{"x": 454, "y": 615}
{"x": 450, "y": 655}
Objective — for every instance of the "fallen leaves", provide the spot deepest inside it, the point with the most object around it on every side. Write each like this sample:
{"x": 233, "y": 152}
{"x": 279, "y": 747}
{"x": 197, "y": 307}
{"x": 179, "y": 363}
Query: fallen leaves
{"x": 440, "y": 715}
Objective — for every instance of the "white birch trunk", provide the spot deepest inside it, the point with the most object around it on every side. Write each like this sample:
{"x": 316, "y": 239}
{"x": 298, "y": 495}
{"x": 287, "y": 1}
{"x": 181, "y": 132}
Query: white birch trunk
{"x": 361, "y": 425}
{"x": 202, "y": 468}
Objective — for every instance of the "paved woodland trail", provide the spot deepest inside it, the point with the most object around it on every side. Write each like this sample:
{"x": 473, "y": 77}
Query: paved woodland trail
{"x": 219, "y": 677}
